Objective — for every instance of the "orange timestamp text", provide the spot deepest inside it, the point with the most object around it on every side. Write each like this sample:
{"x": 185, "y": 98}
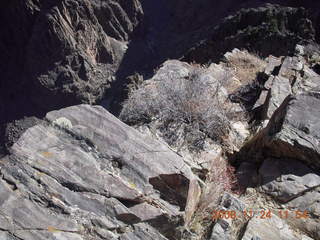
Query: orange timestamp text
{"x": 261, "y": 214}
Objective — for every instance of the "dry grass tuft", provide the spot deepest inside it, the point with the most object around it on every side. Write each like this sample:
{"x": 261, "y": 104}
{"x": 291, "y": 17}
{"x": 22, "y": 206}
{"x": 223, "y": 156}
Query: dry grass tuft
{"x": 221, "y": 178}
{"x": 246, "y": 65}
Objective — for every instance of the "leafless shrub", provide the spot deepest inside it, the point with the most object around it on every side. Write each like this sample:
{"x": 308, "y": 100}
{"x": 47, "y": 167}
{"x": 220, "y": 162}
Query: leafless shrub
{"x": 195, "y": 103}
{"x": 221, "y": 179}
{"x": 139, "y": 107}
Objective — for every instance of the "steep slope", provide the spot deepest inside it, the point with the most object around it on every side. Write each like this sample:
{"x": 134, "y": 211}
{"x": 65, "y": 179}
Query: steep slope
{"x": 56, "y": 54}
{"x": 61, "y": 53}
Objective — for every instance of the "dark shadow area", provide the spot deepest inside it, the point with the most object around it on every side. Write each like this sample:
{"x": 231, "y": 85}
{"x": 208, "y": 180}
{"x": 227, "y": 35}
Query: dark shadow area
{"x": 173, "y": 188}
{"x": 143, "y": 55}
{"x": 282, "y": 178}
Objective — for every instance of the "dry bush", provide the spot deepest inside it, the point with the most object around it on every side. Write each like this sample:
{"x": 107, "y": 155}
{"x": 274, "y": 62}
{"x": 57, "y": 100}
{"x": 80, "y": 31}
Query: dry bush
{"x": 246, "y": 66}
{"x": 139, "y": 107}
{"x": 193, "y": 103}
{"x": 221, "y": 179}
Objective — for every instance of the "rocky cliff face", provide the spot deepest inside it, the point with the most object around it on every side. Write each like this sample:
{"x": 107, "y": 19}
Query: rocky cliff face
{"x": 266, "y": 30}
{"x": 57, "y": 54}
{"x": 212, "y": 131}
{"x": 63, "y": 53}
{"x": 81, "y": 173}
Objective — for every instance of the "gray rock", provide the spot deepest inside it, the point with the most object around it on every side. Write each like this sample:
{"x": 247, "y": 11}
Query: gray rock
{"x": 280, "y": 89}
{"x": 309, "y": 202}
{"x": 299, "y": 50}
{"x": 219, "y": 233}
{"x": 272, "y": 64}
{"x": 223, "y": 228}
{"x": 306, "y": 83}
{"x": 85, "y": 169}
{"x": 247, "y": 28}
{"x": 193, "y": 200}
{"x": 232, "y": 203}
{"x": 271, "y": 228}
{"x": 293, "y": 131}
{"x": 291, "y": 66}
{"x": 142, "y": 231}
{"x": 297, "y": 187}
{"x": 6, "y": 236}
{"x": 286, "y": 179}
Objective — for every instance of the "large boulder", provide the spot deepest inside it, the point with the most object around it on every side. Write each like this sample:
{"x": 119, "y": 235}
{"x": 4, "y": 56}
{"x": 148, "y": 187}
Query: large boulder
{"x": 293, "y": 131}
{"x": 271, "y": 228}
{"x": 297, "y": 188}
{"x": 86, "y": 175}
{"x": 287, "y": 180}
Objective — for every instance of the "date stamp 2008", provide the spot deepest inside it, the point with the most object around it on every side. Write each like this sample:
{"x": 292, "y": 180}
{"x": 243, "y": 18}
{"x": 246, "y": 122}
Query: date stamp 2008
{"x": 261, "y": 214}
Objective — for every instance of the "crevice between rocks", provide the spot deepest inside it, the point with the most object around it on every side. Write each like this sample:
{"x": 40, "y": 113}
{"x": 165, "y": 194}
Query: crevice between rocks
{"x": 12, "y": 185}
{"x": 173, "y": 188}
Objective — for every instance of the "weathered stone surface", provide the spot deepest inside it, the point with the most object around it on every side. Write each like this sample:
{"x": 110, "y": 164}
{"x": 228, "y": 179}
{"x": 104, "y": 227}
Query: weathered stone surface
{"x": 193, "y": 200}
{"x": 285, "y": 27}
{"x": 219, "y": 233}
{"x": 297, "y": 187}
{"x": 306, "y": 83}
{"x": 286, "y": 179}
{"x": 232, "y": 203}
{"x": 142, "y": 231}
{"x": 280, "y": 89}
{"x": 85, "y": 169}
{"x": 273, "y": 63}
{"x": 271, "y": 228}
{"x": 291, "y": 66}
{"x": 294, "y": 130}
{"x": 223, "y": 228}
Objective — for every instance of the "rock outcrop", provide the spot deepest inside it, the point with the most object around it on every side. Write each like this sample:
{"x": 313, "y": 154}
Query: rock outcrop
{"x": 86, "y": 175}
{"x": 79, "y": 173}
{"x": 57, "y": 54}
{"x": 63, "y": 53}
{"x": 282, "y": 159}
{"x": 288, "y": 106}
{"x": 293, "y": 131}
{"x": 271, "y": 29}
